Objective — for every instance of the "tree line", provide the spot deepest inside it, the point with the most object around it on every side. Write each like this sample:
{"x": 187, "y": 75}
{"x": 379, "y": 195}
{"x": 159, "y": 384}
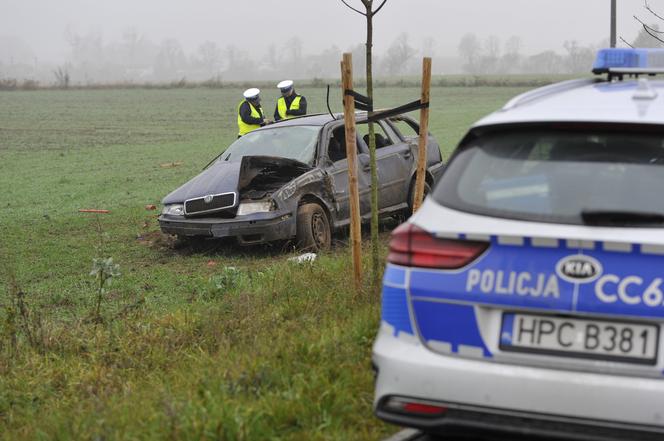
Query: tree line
{"x": 136, "y": 58}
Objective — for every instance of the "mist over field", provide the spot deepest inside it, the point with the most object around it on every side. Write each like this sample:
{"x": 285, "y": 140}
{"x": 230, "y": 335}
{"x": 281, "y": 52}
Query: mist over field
{"x": 95, "y": 42}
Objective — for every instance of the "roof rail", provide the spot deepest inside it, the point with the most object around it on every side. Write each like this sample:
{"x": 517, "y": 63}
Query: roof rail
{"x": 619, "y": 72}
{"x": 545, "y": 91}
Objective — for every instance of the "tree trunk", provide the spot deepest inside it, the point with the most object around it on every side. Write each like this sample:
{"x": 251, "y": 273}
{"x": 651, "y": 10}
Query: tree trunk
{"x": 375, "y": 260}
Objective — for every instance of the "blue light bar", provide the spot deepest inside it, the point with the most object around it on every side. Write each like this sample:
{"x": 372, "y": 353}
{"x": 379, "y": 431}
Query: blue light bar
{"x": 633, "y": 58}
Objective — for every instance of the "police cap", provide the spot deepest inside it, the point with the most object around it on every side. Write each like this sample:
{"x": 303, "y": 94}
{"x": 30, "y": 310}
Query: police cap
{"x": 285, "y": 86}
{"x": 251, "y": 94}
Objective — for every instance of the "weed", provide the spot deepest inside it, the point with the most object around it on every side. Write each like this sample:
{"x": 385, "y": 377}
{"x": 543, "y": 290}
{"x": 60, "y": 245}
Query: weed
{"x": 104, "y": 270}
{"x": 21, "y": 320}
{"x": 228, "y": 279}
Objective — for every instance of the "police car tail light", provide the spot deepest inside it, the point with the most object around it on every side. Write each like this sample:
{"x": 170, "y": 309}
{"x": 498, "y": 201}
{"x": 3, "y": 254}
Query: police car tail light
{"x": 414, "y": 407}
{"x": 410, "y": 245}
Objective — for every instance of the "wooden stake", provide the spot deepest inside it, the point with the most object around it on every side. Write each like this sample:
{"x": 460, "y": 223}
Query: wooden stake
{"x": 424, "y": 135}
{"x": 351, "y": 154}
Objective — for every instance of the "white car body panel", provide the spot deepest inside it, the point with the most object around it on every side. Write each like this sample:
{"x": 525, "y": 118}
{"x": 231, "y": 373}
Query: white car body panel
{"x": 442, "y": 332}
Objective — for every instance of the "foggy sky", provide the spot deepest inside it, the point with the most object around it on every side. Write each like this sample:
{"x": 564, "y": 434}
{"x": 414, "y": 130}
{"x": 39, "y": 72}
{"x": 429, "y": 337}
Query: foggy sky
{"x": 254, "y": 25}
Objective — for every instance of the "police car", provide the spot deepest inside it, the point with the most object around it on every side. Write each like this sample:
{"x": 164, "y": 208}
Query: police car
{"x": 526, "y": 296}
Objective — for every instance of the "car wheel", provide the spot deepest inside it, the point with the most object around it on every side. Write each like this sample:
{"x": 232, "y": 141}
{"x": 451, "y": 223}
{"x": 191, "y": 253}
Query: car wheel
{"x": 411, "y": 195}
{"x": 313, "y": 228}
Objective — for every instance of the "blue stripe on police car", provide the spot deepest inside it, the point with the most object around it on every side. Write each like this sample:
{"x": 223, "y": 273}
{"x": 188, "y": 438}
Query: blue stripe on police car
{"x": 557, "y": 279}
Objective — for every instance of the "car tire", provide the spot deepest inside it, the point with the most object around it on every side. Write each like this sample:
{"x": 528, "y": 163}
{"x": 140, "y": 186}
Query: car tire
{"x": 411, "y": 196}
{"x": 313, "y": 228}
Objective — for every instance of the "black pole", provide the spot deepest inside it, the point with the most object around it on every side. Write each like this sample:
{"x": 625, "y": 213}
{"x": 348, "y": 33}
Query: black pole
{"x": 613, "y": 23}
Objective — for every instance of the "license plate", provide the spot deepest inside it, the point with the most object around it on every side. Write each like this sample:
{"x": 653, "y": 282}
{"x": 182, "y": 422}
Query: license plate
{"x": 572, "y": 337}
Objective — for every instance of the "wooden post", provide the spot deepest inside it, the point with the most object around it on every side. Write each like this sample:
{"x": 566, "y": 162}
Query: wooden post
{"x": 424, "y": 135}
{"x": 351, "y": 154}
{"x": 613, "y": 23}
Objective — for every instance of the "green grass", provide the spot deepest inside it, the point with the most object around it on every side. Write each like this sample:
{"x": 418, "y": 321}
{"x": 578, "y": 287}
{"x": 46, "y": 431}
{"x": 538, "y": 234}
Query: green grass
{"x": 186, "y": 349}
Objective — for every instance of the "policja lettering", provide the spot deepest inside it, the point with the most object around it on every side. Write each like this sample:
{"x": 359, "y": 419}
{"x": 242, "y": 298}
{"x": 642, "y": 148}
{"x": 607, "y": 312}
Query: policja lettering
{"x": 510, "y": 283}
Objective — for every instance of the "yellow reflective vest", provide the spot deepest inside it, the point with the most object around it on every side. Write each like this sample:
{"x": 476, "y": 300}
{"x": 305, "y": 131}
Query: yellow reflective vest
{"x": 281, "y": 106}
{"x": 243, "y": 127}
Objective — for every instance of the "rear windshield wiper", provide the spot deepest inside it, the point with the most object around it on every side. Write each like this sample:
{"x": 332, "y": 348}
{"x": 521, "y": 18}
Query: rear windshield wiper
{"x": 620, "y": 218}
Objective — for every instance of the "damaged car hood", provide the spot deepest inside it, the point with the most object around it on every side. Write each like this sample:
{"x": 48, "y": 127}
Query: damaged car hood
{"x": 256, "y": 176}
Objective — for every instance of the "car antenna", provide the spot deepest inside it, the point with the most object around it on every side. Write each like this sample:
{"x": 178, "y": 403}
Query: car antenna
{"x": 214, "y": 159}
{"x": 328, "y": 102}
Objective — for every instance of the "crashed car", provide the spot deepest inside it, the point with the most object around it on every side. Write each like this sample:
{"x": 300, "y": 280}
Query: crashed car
{"x": 290, "y": 181}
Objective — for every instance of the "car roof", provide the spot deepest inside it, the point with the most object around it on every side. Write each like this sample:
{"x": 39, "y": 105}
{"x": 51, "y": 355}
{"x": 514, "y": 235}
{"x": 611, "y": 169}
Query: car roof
{"x": 585, "y": 100}
{"x": 318, "y": 119}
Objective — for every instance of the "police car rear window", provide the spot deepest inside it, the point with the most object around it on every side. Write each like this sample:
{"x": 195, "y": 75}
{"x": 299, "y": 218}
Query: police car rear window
{"x": 559, "y": 176}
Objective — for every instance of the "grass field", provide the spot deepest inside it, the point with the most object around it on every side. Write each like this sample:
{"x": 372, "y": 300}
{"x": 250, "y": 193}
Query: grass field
{"x": 186, "y": 348}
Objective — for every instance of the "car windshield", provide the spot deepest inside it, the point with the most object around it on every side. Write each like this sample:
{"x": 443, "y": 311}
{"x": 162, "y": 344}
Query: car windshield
{"x": 562, "y": 176}
{"x": 292, "y": 142}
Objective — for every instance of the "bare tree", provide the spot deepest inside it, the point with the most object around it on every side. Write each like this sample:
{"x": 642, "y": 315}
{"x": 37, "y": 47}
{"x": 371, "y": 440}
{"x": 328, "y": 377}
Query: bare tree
{"x": 359, "y": 66}
{"x": 398, "y": 55}
{"x": 578, "y": 57}
{"x": 170, "y": 59}
{"x": 272, "y": 56}
{"x": 239, "y": 65}
{"x": 131, "y": 39}
{"x": 209, "y": 55}
{"x": 428, "y": 47}
{"x": 470, "y": 51}
{"x": 62, "y": 76}
{"x": 545, "y": 62}
{"x": 513, "y": 45}
{"x": 369, "y": 13}
{"x": 511, "y": 59}
{"x": 293, "y": 48}
{"x": 650, "y": 35}
{"x": 491, "y": 50}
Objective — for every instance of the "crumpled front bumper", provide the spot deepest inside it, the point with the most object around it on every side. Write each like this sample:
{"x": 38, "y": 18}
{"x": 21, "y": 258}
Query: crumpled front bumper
{"x": 249, "y": 229}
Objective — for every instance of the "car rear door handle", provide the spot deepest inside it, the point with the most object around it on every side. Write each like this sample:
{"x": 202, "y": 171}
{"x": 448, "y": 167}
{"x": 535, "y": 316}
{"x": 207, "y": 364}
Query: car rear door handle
{"x": 406, "y": 154}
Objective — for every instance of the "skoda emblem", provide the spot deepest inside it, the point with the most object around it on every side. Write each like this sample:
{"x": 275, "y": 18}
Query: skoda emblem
{"x": 578, "y": 268}
{"x": 208, "y": 199}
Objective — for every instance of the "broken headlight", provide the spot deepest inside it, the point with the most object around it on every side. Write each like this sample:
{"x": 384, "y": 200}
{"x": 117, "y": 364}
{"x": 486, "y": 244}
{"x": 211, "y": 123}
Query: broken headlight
{"x": 173, "y": 209}
{"x": 251, "y": 207}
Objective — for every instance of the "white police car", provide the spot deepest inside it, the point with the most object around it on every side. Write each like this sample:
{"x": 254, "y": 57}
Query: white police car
{"x": 526, "y": 296}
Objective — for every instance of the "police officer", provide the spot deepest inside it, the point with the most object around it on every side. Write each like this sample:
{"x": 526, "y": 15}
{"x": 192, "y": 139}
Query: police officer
{"x": 289, "y": 104}
{"x": 250, "y": 113}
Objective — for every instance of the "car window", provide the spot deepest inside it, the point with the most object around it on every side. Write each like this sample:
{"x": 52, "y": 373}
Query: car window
{"x": 556, "y": 176}
{"x": 292, "y": 142}
{"x": 404, "y": 128}
{"x": 382, "y": 138}
{"x": 336, "y": 148}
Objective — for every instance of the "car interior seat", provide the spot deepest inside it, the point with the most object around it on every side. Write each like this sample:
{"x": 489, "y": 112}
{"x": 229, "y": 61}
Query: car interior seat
{"x": 380, "y": 140}
{"x": 334, "y": 151}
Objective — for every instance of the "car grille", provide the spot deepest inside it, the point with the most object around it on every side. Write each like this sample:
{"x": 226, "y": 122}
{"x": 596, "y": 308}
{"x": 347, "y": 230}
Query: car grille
{"x": 215, "y": 202}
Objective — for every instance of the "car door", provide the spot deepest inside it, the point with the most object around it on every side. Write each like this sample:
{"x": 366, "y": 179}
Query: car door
{"x": 408, "y": 130}
{"x": 394, "y": 161}
{"x": 336, "y": 167}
